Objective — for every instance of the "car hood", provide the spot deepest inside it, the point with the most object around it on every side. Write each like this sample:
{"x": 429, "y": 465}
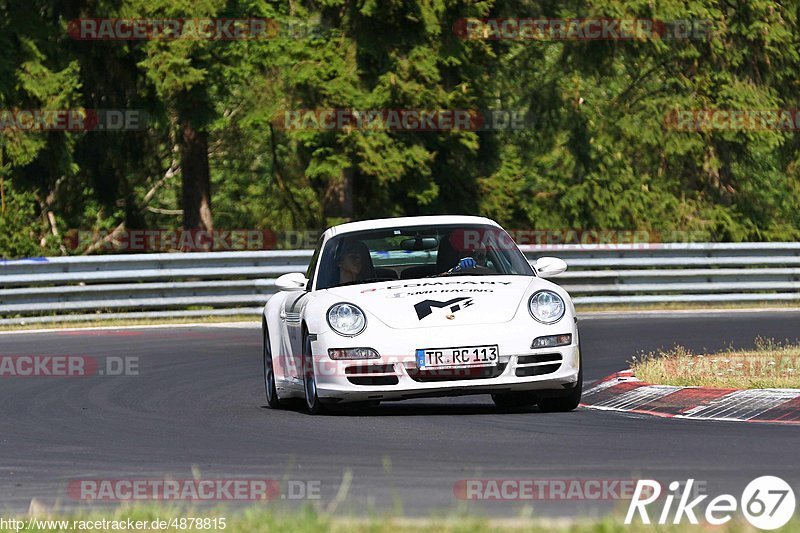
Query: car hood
{"x": 436, "y": 302}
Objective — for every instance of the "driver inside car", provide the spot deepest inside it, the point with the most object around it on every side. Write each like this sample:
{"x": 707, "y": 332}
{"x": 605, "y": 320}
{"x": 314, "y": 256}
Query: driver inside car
{"x": 354, "y": 263}
{"x": 476, "y": 259}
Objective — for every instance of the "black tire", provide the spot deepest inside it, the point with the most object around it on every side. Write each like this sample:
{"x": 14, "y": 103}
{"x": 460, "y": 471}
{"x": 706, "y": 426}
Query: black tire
{"x": 512, "y": 401}
{"x": 566, "y": 403}
{"x": 313, "y": 405}
{"x": 269, "y": 374}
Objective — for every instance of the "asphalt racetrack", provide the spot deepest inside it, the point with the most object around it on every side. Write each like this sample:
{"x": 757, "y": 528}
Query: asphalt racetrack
{"x": 196, "y": 407}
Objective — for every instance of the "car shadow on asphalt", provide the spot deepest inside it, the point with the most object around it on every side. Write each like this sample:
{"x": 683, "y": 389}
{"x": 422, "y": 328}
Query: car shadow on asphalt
{"x": 415, "y": 409}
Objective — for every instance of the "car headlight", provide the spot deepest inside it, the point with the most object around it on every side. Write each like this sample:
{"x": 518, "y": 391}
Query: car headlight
{"x": 551, "y": 341}
{"x": 353, "y": 353}
{"x": 547, "y": 307}
{"x": 346, "y": 319}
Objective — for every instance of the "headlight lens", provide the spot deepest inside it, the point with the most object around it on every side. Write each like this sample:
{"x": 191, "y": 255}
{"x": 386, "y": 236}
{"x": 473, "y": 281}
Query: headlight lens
{"x": 547, "y": 307}
{"x": 346, "y": 319}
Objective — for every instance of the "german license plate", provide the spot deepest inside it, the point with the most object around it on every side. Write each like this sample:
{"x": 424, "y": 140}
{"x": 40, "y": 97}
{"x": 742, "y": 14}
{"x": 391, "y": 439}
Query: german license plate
{"x": 455, "y": 357}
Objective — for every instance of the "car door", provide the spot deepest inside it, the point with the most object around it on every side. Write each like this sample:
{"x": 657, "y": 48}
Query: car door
{"x": 292, "y": 317}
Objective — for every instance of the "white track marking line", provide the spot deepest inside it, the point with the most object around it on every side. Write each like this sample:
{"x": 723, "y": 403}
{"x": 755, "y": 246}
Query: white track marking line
{"x": 742, "y": 404}
{"x": 637, "y": 397}
{"x": 603, "y": 385}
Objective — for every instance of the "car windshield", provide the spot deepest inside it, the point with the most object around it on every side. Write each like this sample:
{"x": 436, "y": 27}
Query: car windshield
{"x": 419, "y": 252}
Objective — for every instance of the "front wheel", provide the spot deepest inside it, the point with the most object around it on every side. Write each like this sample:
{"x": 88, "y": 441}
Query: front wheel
{"x": 313, "y": 404}
{"x": 269, "y": 374}
{"x": 565, "y": 403}
{"x": 511, "y": 401}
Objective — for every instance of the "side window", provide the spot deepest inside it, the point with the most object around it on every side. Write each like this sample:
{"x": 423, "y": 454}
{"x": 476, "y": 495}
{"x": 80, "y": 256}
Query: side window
{"x": 313, "y": 265}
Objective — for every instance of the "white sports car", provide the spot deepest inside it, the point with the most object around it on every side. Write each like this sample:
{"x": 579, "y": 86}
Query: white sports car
{"x": 416, "y": 307}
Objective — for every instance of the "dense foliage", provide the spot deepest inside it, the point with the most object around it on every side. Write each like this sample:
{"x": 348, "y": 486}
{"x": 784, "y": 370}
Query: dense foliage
{"x": 596, "y": 152}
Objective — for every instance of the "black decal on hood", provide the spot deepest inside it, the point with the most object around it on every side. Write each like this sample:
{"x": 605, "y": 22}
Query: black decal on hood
{"x": 425, "y": 307}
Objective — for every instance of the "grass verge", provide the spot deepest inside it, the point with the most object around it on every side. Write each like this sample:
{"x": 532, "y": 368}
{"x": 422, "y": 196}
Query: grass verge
{"x": 770, "y": 365}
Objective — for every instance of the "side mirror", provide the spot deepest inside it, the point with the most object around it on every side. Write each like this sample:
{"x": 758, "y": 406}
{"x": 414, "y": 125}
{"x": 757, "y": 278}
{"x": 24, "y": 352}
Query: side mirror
{"x": 291, "y": 282}
{"x": 547, "y": 267}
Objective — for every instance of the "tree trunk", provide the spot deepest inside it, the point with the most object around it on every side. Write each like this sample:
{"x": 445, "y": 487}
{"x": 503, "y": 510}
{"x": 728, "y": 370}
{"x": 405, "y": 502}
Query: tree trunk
{"x": 337, "y": 202}
{"x": 196, "y": 179}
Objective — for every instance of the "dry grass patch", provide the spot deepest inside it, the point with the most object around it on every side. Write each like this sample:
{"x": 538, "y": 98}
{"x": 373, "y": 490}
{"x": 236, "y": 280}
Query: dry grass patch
{"x": 770, "y": 365}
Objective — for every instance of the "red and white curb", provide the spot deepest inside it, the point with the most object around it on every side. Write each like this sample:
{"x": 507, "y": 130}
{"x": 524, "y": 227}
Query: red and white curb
{"x": 624, "y": 392}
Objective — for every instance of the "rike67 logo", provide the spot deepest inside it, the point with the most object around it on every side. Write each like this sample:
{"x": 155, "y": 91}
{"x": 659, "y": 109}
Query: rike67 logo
{"x": 768, "y": 502}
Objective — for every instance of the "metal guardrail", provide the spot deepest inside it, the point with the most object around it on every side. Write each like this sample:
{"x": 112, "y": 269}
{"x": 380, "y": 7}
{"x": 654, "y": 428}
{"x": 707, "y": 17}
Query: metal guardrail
{"x": 679, "y": 272}
{"x": 168, "y": 285}
{"x": 223, "y": 283}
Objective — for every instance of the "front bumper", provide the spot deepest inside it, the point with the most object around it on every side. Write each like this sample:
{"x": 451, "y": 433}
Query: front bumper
{"x": 395, "y": 375}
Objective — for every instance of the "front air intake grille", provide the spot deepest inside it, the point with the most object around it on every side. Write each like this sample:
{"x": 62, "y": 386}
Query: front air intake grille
{"x": 373, "y": 380}
{"x": 369, "y": 369}
{"x": 539, "y": 358}
{"x": 455, "y": 374}
{"x": 526, "y": 371}
{"x": 375, "y": 375}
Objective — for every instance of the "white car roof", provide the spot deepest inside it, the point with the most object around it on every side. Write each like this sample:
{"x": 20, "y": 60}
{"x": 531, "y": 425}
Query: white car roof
{"x": 387, "y": 223}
